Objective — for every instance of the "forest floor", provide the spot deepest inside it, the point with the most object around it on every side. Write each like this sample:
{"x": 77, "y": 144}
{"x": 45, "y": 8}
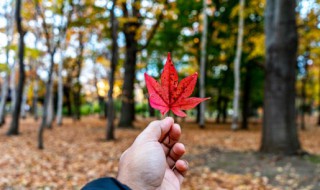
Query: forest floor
{"x": 219, "y": 158}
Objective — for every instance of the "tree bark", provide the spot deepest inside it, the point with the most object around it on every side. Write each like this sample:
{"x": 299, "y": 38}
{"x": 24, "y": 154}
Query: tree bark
{"x": 237, "y": 62}
{"x": 101, "y": 101}
{"x": 219, "y": 108}
{"x": 4, "y": 96}
{"x": 14, "y": 127}
{"x": 303, "y": 103}
{"x": 60, "y": 88}
{"x": 50, "y": 108}
{"x": 202, "y": 86}
{"x": 62, "y": 36}
{"x": 279, "y": 133}
{"x": 225, "y": 109}
{"x": 130, "y": 28}
{"x": 68, "y": 94}
{"x": 114, "y": 61}
{"x": 77, "y": 86}
{"x": 46, "y": 103}
{"x": 127, "y": 108}
{"x": 24, "y": 101}
{"x": 151, "y": 110}
{"x": 35, "y": 99}
{"x": 13, "y": 86}
{"x": 304, "y": 91}
{"x": 6, "y": 78}
{"x": 319, "y": 100}
{"x": 246, "y": 98}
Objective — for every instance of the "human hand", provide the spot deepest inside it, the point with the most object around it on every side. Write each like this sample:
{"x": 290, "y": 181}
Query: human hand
{"x": 153, "y": 160}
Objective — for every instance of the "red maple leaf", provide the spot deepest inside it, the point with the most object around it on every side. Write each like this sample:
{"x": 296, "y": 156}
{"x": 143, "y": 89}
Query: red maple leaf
{"x": 171, "y": 95}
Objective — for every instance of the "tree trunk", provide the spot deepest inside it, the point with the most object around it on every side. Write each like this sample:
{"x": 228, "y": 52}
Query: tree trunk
{"x": 102, "y": 108}
{"x": 14, "y": 127}
{"x": 225, "y": 109}
{"x": 237, "y": 62}
{"x": 6, "y": 78}
{"x": 60, "y": 88}
{"x": 203, "y": 65}
{"x": 304, "y": 91}
{"x": 219, "y": 109}
{"x": 4, "y": 96}
{"x": 152, "y": 112}
{"x": 101, "y": 102}
{"x": 127, "y": 108}
{"x": 68, "y": 94}
{"x": 114, "y": 61}
{"x": 279, "y": 133}
{"x": 77, "y": 86}
{"x": 319, "y": 101}
{"x": 24, "y": 102}
{"x": 46, "y": 103}
{"x": 303, "y": 104}
{"x": 50, "y": 109}
{"x": 13, "y": 86}
{"x": 246, "y": 98}
{"x": 35, "y": 99}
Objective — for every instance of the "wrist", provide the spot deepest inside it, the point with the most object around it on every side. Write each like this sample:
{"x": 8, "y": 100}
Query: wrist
{"x": 135, "y": 183}
{"x": 131, "y": 183}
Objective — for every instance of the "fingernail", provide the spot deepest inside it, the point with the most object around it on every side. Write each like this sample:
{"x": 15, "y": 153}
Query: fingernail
{"x": 187, "y": 163}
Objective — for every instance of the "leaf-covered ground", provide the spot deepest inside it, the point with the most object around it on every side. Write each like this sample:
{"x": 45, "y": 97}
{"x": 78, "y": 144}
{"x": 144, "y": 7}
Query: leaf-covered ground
{"x": 219, "y": 158}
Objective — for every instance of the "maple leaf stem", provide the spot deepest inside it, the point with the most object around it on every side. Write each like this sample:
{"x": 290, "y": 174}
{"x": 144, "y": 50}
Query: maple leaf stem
{"x": 169, "y": 114}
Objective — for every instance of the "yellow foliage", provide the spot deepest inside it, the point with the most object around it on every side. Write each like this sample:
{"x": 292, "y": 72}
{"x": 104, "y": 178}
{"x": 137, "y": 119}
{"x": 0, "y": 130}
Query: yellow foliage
{"x": 259, "y": 46}
{"x": 103, "y": 61}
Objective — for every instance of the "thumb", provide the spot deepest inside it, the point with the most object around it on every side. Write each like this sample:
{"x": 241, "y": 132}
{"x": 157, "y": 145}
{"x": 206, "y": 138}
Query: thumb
{"x": 156, "y": 130}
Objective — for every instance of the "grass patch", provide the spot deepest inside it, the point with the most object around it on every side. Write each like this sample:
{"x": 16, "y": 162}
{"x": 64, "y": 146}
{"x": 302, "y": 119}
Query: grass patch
{"x": 313, "y": 159}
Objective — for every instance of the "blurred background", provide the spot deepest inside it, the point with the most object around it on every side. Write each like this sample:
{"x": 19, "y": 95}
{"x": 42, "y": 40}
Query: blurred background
{"x": 80, "y": 64}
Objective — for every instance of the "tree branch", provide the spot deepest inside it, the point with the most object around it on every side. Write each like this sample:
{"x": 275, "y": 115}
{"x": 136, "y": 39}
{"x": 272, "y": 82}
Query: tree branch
{"x": 154, "y": 29}
{"x": 44, "y": 25}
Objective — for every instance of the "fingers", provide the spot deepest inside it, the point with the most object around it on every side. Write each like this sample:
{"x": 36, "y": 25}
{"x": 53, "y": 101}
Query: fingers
{"x": 181, "y": 169}
{"x": 175, "y": 154}
{"x": 156, "y": 130}
{"x": 170, "y": 140}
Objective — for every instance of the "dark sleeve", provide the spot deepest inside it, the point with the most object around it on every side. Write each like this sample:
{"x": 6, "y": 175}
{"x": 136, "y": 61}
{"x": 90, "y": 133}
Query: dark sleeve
{"x": 105, "y": 184}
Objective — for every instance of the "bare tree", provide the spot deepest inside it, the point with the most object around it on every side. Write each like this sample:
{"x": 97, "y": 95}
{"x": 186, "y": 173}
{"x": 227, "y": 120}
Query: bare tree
{"x": 52, "y": 46}
{"x": 9, "y": 15}
{"x": 237, "y": 62}
{"x": 14, "y": 127}
{"x": 114, "y": 62}
{"x": 203, "y": 64}
{"x": 64, "y": 26}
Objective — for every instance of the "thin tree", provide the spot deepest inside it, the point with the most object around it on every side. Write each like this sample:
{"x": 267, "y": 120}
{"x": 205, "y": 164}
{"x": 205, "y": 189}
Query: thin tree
{"x": 237, "y": 62}
{"x": 203, "y": 64}
{"x": 14, "y": 127}
{"x": 13, "y": 85}
{"x": 114, "y": 62}
{"x": 60, "y": 86}
{"x": 24, "y": 100}
{"x": 304, "y": 82}
{"x": 9, "y": 15}
{"x": 77, "y": 85}
{"x": 35, "y": 82}
{"x": 319, "y": 100}
{"x": 63, "y": 31}
{"x": 51, "y": 50}
{"x": 35, "y": 95}
{"x": 279, "y": 133}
